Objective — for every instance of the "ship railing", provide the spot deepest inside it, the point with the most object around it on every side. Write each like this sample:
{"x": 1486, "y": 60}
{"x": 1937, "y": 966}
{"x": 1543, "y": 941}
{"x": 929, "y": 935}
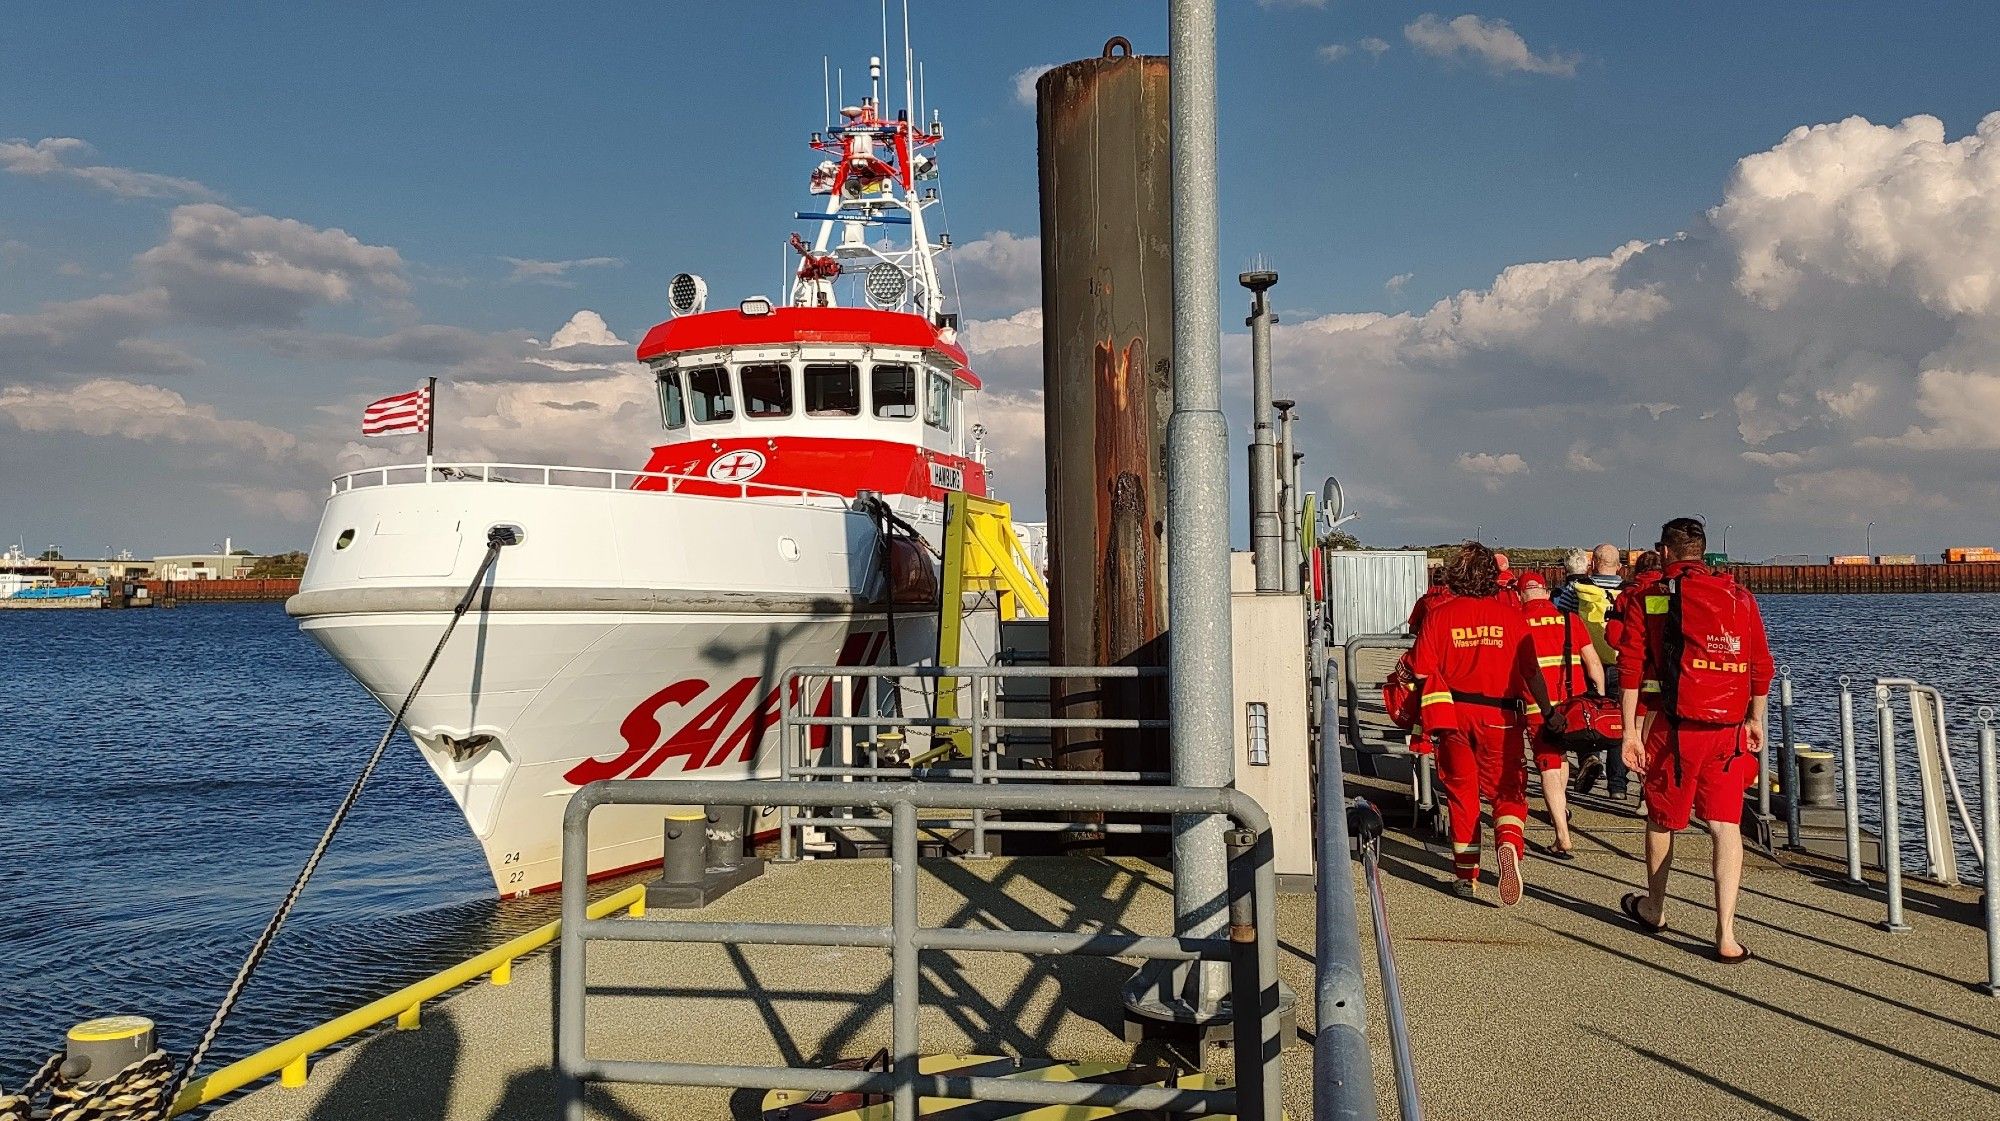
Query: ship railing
{"x": 593, "y": 478}
{"x": 1937, "y": 787}
{"x": 863, "y": 708}
{"x": 1250, "y": 946}
{"x": 289, "y": 1060}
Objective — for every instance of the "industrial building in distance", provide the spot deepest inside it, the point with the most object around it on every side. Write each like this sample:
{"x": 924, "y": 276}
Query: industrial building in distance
{"x": 52, "y": 579}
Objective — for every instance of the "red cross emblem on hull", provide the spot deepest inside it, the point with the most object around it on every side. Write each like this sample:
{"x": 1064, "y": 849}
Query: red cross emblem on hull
{"x": 736, "y": 466}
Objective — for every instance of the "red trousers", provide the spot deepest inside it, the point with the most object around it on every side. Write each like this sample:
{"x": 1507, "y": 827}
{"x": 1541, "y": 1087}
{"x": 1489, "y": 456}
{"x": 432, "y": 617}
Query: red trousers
{"x": 1481, "y": 760}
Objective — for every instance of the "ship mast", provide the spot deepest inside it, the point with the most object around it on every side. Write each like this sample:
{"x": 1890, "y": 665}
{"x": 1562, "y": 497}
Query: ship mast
{"x": 871, "y": 177}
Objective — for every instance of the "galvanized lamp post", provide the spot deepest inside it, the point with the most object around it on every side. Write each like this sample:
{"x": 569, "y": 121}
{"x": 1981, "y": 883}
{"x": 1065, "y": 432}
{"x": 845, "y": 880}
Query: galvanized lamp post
{"x": 1266, "y": 532}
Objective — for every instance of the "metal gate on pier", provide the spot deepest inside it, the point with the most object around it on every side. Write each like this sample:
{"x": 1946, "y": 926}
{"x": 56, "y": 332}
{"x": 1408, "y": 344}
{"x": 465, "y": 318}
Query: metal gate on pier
{"x": 1250, "y": 947}
{"x": 865, "y": 731}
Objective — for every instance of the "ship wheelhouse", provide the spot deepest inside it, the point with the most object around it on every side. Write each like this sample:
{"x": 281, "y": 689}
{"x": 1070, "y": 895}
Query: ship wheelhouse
{"x": 836, "y": 400}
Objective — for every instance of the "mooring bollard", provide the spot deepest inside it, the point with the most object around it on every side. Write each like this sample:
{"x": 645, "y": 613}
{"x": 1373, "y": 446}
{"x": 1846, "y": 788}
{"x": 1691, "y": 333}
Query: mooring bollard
{"x": 1989, "y": 801}
{"x": 1789, "y": 757}
{"x": 1892, "y": 825}
{"x": 702, "y": 856}
{"x": 101, "y": 1048}
{"x": 1850, "y": 798}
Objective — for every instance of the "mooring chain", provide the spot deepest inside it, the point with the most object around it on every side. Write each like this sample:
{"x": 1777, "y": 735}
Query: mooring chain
{"x": 140, "y": 1092}
{"x": 496, "y": 538}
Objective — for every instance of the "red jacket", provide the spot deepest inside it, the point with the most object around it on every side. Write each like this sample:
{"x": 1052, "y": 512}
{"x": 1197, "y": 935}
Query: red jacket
{"x": 1643, "y": 633}
{"x": 1472, "y": 651}
{"x": 1546, "y": 626}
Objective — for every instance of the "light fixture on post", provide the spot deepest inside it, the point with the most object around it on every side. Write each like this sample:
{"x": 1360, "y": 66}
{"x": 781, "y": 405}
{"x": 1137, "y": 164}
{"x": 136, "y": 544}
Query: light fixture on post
{"x": 885, "y": 285}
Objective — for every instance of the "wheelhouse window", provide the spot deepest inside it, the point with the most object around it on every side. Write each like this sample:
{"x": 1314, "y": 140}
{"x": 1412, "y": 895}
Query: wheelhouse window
{"x": 767, "y": 390}
{"x": 833, "y": 389}
{"x": 895, "y": 391}
{"x": 937, "y": 403}
{"x": 708, "y": 395}
{"x": 673, "y": 406}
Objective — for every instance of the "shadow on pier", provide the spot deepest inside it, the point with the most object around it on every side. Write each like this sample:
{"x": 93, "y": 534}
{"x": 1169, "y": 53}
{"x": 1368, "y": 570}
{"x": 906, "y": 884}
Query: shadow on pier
{"x": 1556, "y": 1007}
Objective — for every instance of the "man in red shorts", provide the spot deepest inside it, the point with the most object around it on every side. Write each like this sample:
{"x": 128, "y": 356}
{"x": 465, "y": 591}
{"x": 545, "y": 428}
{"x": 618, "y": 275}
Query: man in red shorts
{"x": 1698, "y": 640}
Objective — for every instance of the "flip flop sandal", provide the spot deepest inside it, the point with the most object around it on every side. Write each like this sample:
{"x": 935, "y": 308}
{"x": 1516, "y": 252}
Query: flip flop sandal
{"x": 1737, "y": 959}
{"x": 1630, "y": 905}
{"x": 1554, "y": 853}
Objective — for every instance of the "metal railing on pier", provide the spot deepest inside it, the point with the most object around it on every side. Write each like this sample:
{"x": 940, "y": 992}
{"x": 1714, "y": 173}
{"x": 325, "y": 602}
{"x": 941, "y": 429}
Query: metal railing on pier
{"x": 1251, "y": 946}
{"x": 1423, "y": 767}
{"x": 859, "y": 706}
{"x": 1938, "y": 787}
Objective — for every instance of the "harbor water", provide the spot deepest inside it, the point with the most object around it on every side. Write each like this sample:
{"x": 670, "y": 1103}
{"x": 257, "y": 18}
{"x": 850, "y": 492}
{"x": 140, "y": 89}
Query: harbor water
{"x": 168, "y": 771}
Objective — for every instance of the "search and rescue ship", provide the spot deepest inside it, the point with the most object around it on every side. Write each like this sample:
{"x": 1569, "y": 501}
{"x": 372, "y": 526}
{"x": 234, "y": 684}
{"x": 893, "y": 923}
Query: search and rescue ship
{"x": 640, "y": 627}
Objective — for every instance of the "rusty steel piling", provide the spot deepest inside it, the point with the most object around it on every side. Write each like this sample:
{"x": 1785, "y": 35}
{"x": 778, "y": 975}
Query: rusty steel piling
{"x": 1108, "y": 339}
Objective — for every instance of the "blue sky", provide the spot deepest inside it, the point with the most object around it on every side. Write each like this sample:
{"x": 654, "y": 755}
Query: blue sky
{"x": 664, "y": 137}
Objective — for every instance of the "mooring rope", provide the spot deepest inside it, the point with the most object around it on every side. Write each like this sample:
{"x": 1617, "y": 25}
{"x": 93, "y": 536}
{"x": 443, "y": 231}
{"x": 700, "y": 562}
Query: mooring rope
{"x": 140, "y": 1092}
{"x": 496, "y": 539}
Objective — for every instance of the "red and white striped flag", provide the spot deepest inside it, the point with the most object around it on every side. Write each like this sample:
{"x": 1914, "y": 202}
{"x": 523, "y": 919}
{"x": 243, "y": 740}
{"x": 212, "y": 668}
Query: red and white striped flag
{"x": 405, "y": 412}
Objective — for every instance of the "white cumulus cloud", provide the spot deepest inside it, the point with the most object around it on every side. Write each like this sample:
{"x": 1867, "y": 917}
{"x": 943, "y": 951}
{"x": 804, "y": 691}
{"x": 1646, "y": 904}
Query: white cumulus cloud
{"x": 55, "y": 157}
{"x": 218, "y": 265}
{"x": 1024, "y": 82}
{"x": 1825, "y": 333}
{"x": 1493, "y": 43}
{"x": 998, "y": 272}
{"x": 557, "y": 272}
{"x": 134, "y": 411}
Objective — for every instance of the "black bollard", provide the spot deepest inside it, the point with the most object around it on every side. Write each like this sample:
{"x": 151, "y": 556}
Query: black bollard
{"x": 703, "y": 857}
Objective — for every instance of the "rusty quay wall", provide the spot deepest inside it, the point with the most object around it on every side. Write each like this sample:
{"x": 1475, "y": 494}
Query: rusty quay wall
{"x": 1779, "y": 579}
{"x": 219, "y": 591}
{"x": 1846, "y": 579}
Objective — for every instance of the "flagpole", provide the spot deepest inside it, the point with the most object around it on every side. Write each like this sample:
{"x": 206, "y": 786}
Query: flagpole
{"x": 430, "y": 430}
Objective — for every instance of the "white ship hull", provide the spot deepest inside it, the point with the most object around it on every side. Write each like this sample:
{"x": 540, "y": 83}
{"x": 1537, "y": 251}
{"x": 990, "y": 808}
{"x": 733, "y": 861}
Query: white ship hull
{"x": 631, "y": 634}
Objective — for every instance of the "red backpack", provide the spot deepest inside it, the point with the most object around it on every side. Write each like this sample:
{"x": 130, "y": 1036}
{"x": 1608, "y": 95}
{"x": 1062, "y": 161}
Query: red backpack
{"x": 1704, "y": 674}
{"x": 1399, "y": 693}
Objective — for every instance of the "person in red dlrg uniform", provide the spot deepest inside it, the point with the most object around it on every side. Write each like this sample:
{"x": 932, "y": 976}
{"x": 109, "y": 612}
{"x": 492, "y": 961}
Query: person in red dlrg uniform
{"x": 1569, "y": 667}
{"x": 1475, "y": 663}
{"x": 1693, "y": 656}
{"x": 1433, "y": 595}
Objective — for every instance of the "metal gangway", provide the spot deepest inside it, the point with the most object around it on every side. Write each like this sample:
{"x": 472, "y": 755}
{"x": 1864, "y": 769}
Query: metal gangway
{"x": 1927, "y": 766}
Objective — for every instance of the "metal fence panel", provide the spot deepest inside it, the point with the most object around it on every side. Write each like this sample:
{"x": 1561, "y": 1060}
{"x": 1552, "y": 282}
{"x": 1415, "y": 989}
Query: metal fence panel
{"x": 1372, "y": 591}
{"x": 1251, "y": 945}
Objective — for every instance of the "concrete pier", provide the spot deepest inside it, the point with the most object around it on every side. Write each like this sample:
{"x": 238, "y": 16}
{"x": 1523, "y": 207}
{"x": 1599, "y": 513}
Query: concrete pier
{"x": 1556, "y": 1008}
